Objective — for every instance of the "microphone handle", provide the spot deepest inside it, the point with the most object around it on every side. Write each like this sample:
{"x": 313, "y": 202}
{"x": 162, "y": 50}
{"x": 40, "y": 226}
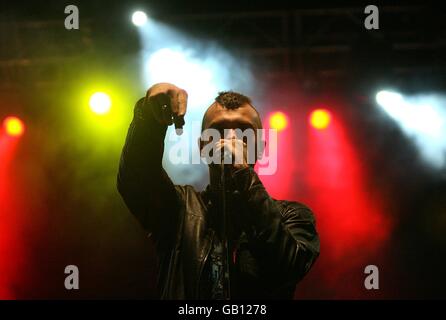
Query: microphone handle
{"x": 179, "y": 123}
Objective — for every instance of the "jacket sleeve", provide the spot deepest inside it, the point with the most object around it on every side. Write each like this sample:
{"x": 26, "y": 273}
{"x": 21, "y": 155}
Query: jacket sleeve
{"x": 142, "y": 182}
{"x": 285, "y": 240}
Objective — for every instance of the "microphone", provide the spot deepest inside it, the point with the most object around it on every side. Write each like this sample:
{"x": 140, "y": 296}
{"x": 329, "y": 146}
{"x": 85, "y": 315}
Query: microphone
{"x": 179, "y": 123}
{"x": 226, "y": 154}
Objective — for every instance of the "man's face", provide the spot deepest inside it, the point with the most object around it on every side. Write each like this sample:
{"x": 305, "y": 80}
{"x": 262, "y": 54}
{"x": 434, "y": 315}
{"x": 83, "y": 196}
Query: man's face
{"x": 226, "y": 121}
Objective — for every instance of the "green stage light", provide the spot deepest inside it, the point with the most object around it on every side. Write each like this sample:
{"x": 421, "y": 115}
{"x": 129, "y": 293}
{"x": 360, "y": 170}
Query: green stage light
{"x": 100, "y": 103}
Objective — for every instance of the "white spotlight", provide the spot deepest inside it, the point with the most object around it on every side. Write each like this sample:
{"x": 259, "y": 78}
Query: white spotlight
{"x": 180, "y": 67}
{"x": 393, "y": 103}
{"x": 388, "y": 98}
{"x": 422, "y": 118}
{"x": 139, "y": 18}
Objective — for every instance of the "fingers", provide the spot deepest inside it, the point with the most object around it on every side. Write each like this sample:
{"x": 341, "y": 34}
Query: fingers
{"x": 173, "y": 95}
{"x": 179, "y": 105}
{"x": 231, "y": 151}
{"x": 182, "y": 103}
{"x": 169, "y": 104}
{"x": 178, "y": 98}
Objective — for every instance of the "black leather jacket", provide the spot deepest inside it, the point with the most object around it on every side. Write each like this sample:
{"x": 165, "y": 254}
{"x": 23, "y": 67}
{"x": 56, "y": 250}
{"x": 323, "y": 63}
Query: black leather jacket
{"x": 276, "y": 242}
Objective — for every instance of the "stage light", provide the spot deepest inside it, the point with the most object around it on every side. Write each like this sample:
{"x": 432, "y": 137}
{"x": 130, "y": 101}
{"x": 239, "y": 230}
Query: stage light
{"x": 320, "y": 119}
{"x": 14, "y": 127}
{"x": 186, "y": 71}
{"x": 139, "y": 18}
{"x": 422, "y": 118}
{"x": 100, "y": 103}
{"x": 278, "y": 121}
{"x": 389, "y": 98}
{"x": 418, "y": 114}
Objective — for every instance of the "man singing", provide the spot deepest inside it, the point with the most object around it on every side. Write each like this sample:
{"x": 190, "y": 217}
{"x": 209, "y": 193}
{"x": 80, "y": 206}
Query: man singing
{"x": 231, "y": 241}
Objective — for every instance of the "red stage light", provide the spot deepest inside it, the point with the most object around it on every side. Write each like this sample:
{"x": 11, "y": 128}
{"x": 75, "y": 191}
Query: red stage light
{"x": 278, "y": 121}
{"x": 352, "y": 221}
{"x": 320, "y": 119}
{"x": 14, "y": 127}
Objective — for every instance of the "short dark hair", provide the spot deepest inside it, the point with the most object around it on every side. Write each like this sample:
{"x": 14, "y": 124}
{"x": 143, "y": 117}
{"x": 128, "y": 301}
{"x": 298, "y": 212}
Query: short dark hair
{"x": 230, "y": 100}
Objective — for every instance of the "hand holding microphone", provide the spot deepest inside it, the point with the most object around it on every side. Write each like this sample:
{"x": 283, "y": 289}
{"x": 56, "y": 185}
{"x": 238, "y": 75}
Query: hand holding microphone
{"x": 168, "y": 104}
{"x": 233, "y": 151}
